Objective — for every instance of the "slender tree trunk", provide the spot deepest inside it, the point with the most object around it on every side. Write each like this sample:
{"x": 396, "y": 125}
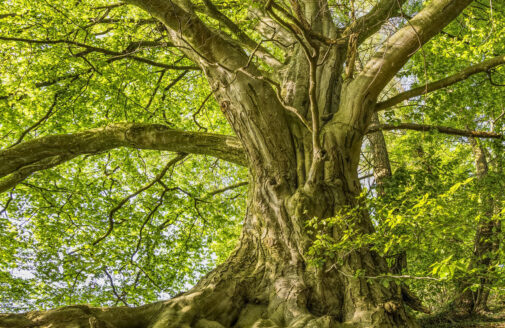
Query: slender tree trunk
{"x": 382, "y": 172}
{"x": 486, "y": 242}
{"x": 380, "y": 157}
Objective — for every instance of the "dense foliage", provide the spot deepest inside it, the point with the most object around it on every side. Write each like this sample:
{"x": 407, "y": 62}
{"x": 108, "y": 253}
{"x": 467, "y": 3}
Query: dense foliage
{"x": 73, "y": 65}
{"x": 165, "y": 237}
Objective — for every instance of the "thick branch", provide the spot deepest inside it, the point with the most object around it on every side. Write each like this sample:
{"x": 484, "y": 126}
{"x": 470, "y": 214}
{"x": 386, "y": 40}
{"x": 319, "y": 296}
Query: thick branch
{"x": 441, "y": 129}
{"x": 84, "y": 316}
{"x": 460, "y": 76}
{"x": 20, "y": 161}
{"x": 407, "y": 41}
{"x": 191, "y": 34}
{"x": 243, "y": 38}
{"x": 244, "y": 93}
{"x": 12, "y": 179}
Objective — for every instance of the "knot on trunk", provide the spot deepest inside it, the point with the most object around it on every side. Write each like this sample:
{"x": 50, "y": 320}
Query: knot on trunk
{"x": 392, "y": 307}
{"x": 225, "y": 104}
{"x": 95, "y": 323}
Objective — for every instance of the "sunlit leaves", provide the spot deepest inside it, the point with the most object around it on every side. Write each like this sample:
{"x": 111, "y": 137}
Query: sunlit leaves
{"x": 164, "y": 238}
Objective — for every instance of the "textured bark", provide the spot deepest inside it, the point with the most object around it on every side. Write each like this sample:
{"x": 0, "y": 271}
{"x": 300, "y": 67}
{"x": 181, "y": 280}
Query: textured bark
{"x": 486, "y": 243}
{"x": 299, "y": 171}
{"x": 20, "y": 161}
{"x": 380, "y": 156}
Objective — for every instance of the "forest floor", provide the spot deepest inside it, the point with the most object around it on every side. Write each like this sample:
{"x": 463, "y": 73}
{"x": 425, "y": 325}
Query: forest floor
{"x": 495, "y": 318}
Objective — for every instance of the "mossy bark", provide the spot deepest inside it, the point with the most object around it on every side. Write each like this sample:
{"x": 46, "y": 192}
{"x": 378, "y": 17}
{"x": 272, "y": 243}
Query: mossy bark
{"x": 298, "y": 171}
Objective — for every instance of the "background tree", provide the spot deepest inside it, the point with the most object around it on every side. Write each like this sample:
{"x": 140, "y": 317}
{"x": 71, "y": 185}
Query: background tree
{"x": 287, "y": 82}
{"x": 486, "y": 242}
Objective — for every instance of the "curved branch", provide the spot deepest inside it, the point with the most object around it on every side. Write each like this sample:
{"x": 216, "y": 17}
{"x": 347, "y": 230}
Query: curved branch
{"x": 406, "y": 42}
{"x": 455, "y": 78}
{"x": 441, "y": 129}
{"x": 127, "y": 53}
{"x": 189, "y": 31}
{"x": 157, "y": 179}
{"x": 20, "y": 161}
{"x": 44, "y": 118}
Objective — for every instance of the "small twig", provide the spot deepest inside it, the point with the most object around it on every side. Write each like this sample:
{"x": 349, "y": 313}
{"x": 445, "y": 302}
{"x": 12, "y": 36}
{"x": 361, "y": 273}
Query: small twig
{"x": 115, "y": 5}
{"x": 40, "y": 121}
{"x": 386, "y": 276}
{"x": 199, "y": 110}
{"x": 147, "y": 219}
{"x": 490, "y": 77}
{"x": 4, "y": 209}
{"x": 221, "y": 190}
{"x": 155, "y": 90}
{"x": 144, "y": 188}
{"x": 111, "y": 281}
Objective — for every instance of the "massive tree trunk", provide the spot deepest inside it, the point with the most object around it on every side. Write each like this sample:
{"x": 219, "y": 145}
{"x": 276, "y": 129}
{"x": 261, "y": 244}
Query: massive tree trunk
{"x": 302, "y": 133}
{"x": 268, "y": 281}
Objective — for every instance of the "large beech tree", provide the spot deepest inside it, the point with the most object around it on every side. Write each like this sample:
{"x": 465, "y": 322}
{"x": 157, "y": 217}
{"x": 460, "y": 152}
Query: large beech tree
{"x": 298, "y": 83}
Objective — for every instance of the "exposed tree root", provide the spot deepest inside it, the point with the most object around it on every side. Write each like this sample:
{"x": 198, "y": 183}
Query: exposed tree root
{"x": 228, "y": 303}
{"x": 80, "y": 316}
{"x": 266, "y": 282}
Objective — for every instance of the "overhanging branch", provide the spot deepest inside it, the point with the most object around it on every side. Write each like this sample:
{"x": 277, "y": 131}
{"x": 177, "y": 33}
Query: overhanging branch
{"x": 20, "y": 161}
{"x": 455, "y": 78}
{"x": 441, "y": 129}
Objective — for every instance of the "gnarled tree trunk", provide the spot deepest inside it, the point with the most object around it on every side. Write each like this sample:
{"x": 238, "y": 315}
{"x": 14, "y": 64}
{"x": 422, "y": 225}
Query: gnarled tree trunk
{"x": 268, "y": 281}
{"x": 302, "y": 133}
